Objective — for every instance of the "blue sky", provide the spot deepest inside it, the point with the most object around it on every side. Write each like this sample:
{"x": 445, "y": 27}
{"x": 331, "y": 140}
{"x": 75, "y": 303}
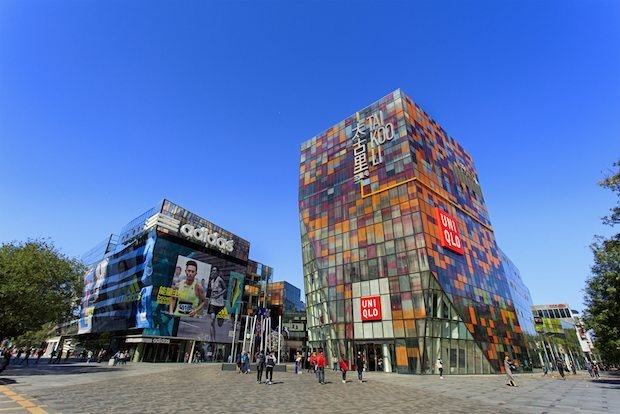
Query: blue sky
{"x": 106, "y": 107}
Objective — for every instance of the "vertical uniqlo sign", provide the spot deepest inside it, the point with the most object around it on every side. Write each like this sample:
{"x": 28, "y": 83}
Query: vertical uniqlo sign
{"x": 450, "y": 235}
{"x": 371, "y": 308}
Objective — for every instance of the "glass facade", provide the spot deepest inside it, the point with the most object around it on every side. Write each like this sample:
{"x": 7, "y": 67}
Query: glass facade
{"x": 171, "y": 282}
{"x": 399, "y": 257}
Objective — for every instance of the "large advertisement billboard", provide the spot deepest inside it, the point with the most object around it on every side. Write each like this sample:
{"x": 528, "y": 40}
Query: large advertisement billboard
{"x": 165, "y": 287}
{"x": 195, "y": 294}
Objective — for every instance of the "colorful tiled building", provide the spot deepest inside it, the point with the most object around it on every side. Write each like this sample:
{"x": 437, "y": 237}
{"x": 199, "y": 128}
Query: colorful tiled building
{"x": 400, "y": 259}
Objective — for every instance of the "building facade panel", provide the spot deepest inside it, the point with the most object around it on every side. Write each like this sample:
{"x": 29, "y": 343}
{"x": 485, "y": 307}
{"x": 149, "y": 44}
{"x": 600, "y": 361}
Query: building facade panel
{"x": 172, "y": 283}
{"x": 390, "y": 206}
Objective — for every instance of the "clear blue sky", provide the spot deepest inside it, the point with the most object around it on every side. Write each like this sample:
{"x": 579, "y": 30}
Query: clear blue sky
{"x": 106, "y": 107}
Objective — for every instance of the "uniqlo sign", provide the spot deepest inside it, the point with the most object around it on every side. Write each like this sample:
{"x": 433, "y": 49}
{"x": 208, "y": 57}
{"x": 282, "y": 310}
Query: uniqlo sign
{"x": 450, "y": 235}
{"x": 371, "y": 308}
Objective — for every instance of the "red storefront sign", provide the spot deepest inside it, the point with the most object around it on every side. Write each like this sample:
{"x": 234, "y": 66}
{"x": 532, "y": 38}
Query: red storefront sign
{"x": 450, "y": 236}
{"x": 371, "y": 308}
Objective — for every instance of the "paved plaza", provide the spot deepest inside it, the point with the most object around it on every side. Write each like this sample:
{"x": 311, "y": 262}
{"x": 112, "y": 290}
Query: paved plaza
{"x": 166, "y": 388}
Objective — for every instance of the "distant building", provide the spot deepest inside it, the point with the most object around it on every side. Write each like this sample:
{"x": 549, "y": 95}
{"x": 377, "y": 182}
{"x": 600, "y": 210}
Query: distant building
{"x": 561, "y": 335}
{"x": 400, "y": 258}
{"x": 284, "y": 300}
{"x": 172, "y": 284}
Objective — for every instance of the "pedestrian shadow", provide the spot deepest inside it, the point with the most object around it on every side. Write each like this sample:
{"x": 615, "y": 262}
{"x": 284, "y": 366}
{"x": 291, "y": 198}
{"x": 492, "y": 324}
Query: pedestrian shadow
{"x": 615, "y": 383}
{"x": 58, "y": 370}
{"x": 7, "y": 381}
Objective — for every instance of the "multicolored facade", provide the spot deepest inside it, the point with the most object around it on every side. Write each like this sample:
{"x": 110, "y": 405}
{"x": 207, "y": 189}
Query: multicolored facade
{"x": 400, "y": 259}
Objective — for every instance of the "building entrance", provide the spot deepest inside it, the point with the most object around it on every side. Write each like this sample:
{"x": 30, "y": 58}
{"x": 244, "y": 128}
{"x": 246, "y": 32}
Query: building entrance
{"x": 161, "y": 353}
{"x": 373, "y": 355}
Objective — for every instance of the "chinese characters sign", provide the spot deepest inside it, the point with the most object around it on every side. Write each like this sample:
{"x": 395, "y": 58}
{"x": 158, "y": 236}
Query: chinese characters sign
{"x": 449, "y": 233}
{"x": 371, "y": 308}
{"x": 369, "y": 135}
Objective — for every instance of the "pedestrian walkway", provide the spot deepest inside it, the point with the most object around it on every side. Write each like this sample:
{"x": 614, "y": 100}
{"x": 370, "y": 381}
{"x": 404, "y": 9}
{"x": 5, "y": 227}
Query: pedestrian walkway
{"x": 162, "y": 388}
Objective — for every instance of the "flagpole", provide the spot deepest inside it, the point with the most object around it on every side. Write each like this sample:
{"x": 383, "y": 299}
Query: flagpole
{"x": 253, "y": 332}
{"x": 233, "y": 346}
{"x": 245, "y": 331}
{"x": 279, "y": 336}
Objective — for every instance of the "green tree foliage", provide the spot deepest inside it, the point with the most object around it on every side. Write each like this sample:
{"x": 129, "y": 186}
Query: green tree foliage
{"x": 38, "y": 285}
{"x": 602, "y": 293}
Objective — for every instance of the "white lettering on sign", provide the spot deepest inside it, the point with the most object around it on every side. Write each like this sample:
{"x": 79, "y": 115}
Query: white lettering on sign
{"x": 449, "y": 231}
{"x": 369, "y": 153}
{"x": 161, "y": 340}
{"x": 371, "y": 308}
{"x": 209, "y": 238}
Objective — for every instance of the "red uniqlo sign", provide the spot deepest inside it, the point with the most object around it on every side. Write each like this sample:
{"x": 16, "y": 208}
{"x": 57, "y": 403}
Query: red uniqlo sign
{"x": 450, "y": 235}
{"x": 371, "y": 308}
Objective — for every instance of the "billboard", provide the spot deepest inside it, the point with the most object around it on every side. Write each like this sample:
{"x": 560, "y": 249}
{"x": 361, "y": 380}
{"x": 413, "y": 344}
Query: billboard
{"x": 449, "y": 234}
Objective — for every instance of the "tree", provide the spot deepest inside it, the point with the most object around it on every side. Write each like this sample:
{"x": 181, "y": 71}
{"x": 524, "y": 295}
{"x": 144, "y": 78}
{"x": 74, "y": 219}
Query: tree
{"x": 602, "y": 292}
{"x": 38, "y": 285}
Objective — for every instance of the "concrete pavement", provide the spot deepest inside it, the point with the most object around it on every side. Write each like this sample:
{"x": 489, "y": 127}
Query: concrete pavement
{"x": 164, "y": 388}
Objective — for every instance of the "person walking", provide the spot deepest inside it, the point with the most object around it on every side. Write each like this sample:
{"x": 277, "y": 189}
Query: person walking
{"x": 260, "y": 366}
{"x": 359, "y": 363}
{"x": 270, "y": 363}
{"x": 508, "y": 366}
{"x": 560, "y": 366}
{"x": 321, "y": 362}
{"x": 298, "y": 359}
{"x": 312, "y": 363}
{"x": 439, "y": 366}
{"x": 344, "y": 367}
{"x": 26, "y": 356}
{"x": 334, "y": 362}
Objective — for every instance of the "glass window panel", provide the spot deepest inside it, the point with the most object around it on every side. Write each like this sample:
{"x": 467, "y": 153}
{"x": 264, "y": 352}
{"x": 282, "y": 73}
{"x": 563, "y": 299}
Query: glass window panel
{"x": 377, "y": 330}
{"x": 462, "y": 330}
{"x": 389, "y": 247}
{"x": 365, "y": 289}
{"x": 412, "y": 257}
{"x": 445, "y": 333}
{"x": 407, "y": 224}
{"x": 373, "y": 269}
{"x": 392, "y": 265}
{"x": 358, "y": 329}
{"x": 416, "y": 283}
{"x": 407, "y": 305}
{"x": 384, "y": 285}
{"x": 410, "y": 330}
{"x": 398, "y": 228}
{"x": 455, "y": 330}
{"x": 367, "y": 330}
{"x": 381, "y": 249}
{"x": 364, "y": 270}
{"x": 403, "y": 282}
{"x": 462, "y": 363}
{"x": 388, "y": 330}
{"x": 374, "y": 287}
{"x": 420, "y": 325}
{"x": 418, "y": 304}
{"x": 399, "y": 328}
{"x": 417, "y": 222}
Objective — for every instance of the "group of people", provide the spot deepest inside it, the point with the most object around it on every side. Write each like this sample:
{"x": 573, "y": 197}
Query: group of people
{"x": 593, "y": 369}
{"x": 121, "y": 357}
{"x": 265, "y": 362}
{"x": 317, "y": 363}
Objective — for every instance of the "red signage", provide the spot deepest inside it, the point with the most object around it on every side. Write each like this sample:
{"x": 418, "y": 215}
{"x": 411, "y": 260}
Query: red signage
{"x": 371, "y": 308}
{"x": 450, "y": 235}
